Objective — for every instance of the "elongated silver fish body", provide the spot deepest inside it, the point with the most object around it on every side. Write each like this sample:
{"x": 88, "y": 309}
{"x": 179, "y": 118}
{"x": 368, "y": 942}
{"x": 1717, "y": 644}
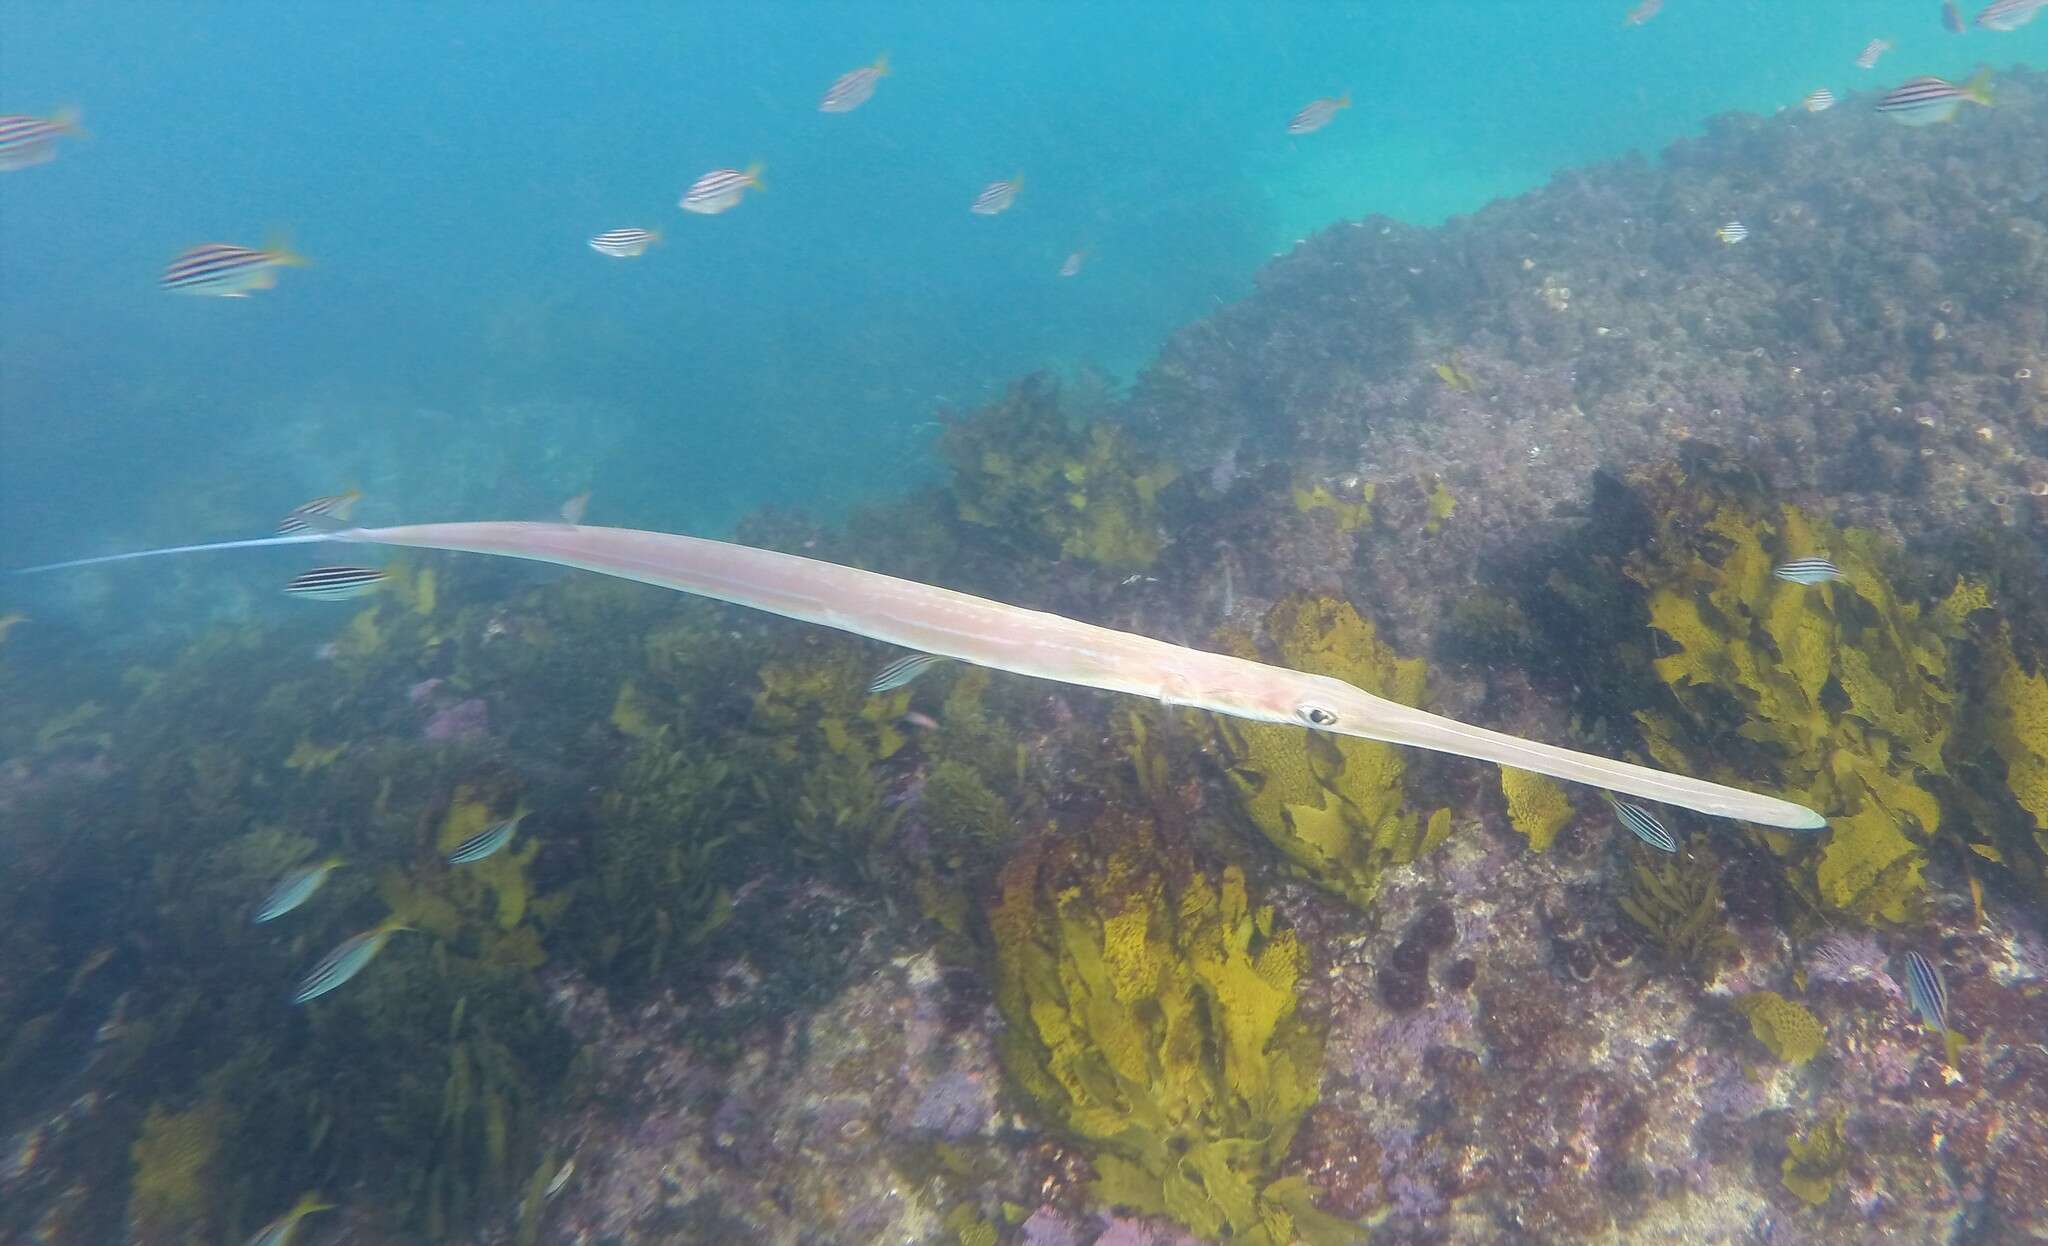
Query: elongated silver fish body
{"x": 988, "y": 633}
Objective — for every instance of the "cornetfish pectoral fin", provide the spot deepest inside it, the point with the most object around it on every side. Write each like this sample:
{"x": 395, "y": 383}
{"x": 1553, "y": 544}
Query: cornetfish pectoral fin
{"x": 1402, "y": 724}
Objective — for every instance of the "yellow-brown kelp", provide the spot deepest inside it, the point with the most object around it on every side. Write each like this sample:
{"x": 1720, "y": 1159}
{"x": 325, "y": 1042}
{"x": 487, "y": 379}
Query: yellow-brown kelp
{"x": 1154, "y": 1017}
{"x": 1840, "y": 692}
{"x": 1022, "y": 473}
{"x": 1815, "y": 1163}
{"x": 1336, "y": 805}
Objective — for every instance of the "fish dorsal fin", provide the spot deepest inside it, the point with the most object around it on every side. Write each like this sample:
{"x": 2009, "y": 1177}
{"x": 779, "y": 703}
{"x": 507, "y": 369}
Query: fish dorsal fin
{"x": 902, "y": 671}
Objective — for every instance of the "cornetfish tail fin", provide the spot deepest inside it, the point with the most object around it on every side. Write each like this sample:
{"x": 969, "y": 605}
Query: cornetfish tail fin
{"x": 300, "y": 538}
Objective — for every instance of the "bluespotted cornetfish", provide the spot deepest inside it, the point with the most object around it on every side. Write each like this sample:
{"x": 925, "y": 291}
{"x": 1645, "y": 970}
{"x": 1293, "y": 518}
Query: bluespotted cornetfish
{"x": 939, "y": 621}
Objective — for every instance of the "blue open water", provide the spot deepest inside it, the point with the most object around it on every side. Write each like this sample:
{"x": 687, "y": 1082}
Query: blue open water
{"x": 457, "y": 351}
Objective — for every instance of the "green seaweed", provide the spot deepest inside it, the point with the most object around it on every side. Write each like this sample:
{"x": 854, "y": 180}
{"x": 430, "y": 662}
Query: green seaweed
{"x": 1677, "y": 905}
{"x": 1052, "y": 491}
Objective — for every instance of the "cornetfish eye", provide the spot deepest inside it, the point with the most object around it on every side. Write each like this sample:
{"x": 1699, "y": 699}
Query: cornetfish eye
{"x": 1317, "y": 716}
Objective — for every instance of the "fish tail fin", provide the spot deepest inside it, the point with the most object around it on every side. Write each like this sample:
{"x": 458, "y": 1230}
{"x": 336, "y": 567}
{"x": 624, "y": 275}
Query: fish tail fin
{"x": 310, "y": 1202}
{"x": 279, "y": 248}
{"x": 753, "y": 175}
{"x": 1017, "y": 180}
{"x": 1952, "y": 1045}
{"x": 334, "y": 863}
{"x": 881, "y": 65}
{"x": 1978, "y": 89}
{"x": 67, "y": 120}
{"x": 1344, "y": 100}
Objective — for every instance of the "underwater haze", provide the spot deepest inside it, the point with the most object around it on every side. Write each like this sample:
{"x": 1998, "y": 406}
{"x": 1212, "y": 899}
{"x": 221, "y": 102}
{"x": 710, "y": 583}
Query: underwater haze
{"x": 456, "y": 346}
{"x": 1024, "y": 624}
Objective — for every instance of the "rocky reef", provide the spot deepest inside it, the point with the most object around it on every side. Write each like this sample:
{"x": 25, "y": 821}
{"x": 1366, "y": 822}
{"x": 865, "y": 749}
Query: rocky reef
{"x": 984, "y": 962}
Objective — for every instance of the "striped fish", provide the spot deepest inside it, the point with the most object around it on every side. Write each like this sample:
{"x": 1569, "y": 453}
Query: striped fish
{"x": 1808, "y": 571}
{"x": 346, "y": 960}
{"x": 997, "y": 196}
{"x": 1819, "y": 100}
{"x": 295, "y": 889}
{"x": 303, "y": 516}
{"x": 625, "y": 243}
{"x": 224, "y": 270}
{"x": 1072, "y": 266}
{"x": 1927, "y": 991}
{"x": 485, "y": 842}
{"x": 1643, "y": 825}
{"x": 901, "y": 672}
{"x": 336, "y": 583}
{"x": 280, "y": 1231}
{"x": 720, "y": 190}
{"x": 26, "y": 141}
{"x": 2009, "y": 14}
{"x": 1867, "y": 58}
{"x": 1317, "y": 115}
{"x": 850, "y": 90}
{"x": 1929, "y": 100}
{"x": 1951, "y": 17}
{"x": 1732, "y": 233}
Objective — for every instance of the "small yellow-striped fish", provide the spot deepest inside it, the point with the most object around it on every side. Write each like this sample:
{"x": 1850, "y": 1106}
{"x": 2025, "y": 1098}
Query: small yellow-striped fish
{"x": 1867, "y": 58}
{"x": 336, "y": 583}
{"x": 279, "y": 1232}
{"x": 1819, "y": 100}
{"x": 720, "y": 190}
{"x": 337, "y": 507}
{"x": 624, "y": 244}
{"x": 997, "y": 196}
{"x": 850, "y": 90}
{"x": 227, "y": 271}
{"x": 27, "y": 141}
{"x": 1317, "y": 114}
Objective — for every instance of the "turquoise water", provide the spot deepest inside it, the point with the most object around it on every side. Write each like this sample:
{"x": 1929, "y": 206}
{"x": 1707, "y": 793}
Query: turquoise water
{"x": 759, "y": 942}
{"x": 456, "y": 351}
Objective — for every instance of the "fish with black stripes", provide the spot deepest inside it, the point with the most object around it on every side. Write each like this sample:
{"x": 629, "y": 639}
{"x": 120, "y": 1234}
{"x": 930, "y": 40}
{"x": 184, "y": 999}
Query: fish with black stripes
{"x": 336, "y": 583}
